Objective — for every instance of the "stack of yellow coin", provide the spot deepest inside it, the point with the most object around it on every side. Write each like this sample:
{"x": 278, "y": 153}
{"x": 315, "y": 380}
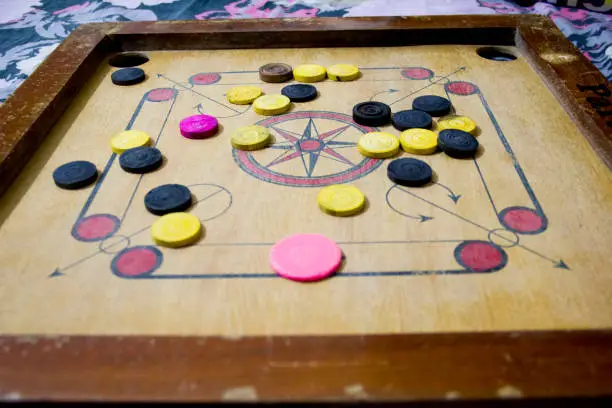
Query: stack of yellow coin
{"x": 271, "y": 104}
{"x": 309, "y": 73}
{"x": 129, "y": 139}
{"x": 175, "y": 230}
{"x": 419, "y": 141}
{"x": 378, "y": 145}
{"x": 343, "y": 72}
{"x": 457, "y": 122}
{"x": 252, "y": 137}
{"x": 341, "y": 200}
{"x": 243, "y": 95}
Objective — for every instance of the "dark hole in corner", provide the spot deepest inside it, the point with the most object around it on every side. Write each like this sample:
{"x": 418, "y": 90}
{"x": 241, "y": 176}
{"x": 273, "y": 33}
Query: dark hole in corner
{"x": 495, "y": 54}
{"x": 128, "y": 59}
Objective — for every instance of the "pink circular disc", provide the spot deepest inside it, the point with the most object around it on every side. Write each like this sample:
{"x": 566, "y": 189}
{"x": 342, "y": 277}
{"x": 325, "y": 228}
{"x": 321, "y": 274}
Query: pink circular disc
{"x": 199, "y": 126}
{"x": 305, "y": 257}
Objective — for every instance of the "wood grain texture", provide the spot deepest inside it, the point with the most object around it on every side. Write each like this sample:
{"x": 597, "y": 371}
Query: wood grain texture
{"x": 202, "y": 283}
{"x": 340, "y": 368}
{"x": 66, "y": 70}
{"x": 321, "y": 32}
{"x": 312, "y": 368}
{"x": 29, "y": 113}
{"x": 577, "y": 83}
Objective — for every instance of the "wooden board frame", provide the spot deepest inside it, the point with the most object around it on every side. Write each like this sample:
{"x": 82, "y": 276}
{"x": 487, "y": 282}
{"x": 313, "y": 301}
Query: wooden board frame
{"x": 403, "y": 367}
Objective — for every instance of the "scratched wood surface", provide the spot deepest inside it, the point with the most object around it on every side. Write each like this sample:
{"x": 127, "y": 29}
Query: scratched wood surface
{"x": 402, "y": 273}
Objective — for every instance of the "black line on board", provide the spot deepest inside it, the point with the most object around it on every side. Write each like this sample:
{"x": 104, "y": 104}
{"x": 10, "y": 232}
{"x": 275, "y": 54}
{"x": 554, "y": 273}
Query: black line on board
{"x": 389, "y": 91}
{"x": 443, "y": 209}
{"x": 238, "y": 72}
{"x": 398, "y": 242}
{"x": 304, "y": 163}
{"x": 198, "y": 108}
{"x": 109, "y": 163}
{"x": 326, "y": 155}
{"x": 314, "y": 158}
{"x": 261, "y": 84}
{"x": 282, "y": 146}
{"x": 96, "y": 188}
{"x": 209, "y": 196}
{"x": 198, "y": 93}
{"x": 451, "y": 193}
{"x": 59, "y": 271}
{"x": 276, "y": 160}
{"x": 420, "y": 217}
{"x": 558, "y": 263}
{"x": 273, "y": 275}
{"x": 504, "y": 141}
{"x": 519, "y": 170}
{"x": 159, "y": 135}
{"x": 287, "y": 135}
{"x": 314, "y": 126}
{"x": 517, "y": 166}
{"x": 339, "y": 275}
{"x": 337, "y": 135}
{"x": 427, "y": 86}
{"x": 339, "y": 145}
{"x": 486, "y": 187}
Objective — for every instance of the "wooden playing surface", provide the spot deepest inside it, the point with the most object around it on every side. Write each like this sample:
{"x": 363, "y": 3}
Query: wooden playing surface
{"x": 401, "y": 272}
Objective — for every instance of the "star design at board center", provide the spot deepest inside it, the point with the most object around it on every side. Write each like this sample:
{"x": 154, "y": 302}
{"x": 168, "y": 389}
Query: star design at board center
{"x": 309, "y": 145}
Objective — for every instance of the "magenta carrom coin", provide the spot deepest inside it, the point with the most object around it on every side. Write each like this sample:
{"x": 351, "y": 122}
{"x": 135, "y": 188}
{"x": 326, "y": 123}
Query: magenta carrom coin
{"x": 199, "y": 126}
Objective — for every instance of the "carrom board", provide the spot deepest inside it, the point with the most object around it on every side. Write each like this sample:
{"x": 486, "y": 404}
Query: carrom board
{"x": 492, "y": 281}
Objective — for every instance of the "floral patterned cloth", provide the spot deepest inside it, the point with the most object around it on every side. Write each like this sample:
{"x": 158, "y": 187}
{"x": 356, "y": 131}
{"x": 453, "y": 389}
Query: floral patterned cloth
{"x": 31, "y": 29}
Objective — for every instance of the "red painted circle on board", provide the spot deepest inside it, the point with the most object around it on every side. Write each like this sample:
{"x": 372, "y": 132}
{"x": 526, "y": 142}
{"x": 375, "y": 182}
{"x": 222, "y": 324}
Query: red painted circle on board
{"x": 417, "y": 73}
{"x": 161, "y": 94}
{"x": 136, "y": 261}
{"x": 95, "y": 227}
{"x": 310, "y": 145}
{"x": 523, "y": 220}
{"x": 207, "y": 78}
{"x": 481, "y": 256}
{"x": 461, "y": 88}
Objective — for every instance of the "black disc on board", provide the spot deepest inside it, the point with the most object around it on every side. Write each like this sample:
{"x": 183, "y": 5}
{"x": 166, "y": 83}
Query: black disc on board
{"x": 300, "y": 92}
{"x": 128, "y": 76}
{"x": 168, "y": 198}
{"x": 409, "y": 119}
{"x": 74, "y": 175}
{"x": 409, "y": 172}
{"x": 140, "y": 160}
{"x": 372, "y": 113}
{"x": 457, "y": 143}
{"x": 432, "y": 104}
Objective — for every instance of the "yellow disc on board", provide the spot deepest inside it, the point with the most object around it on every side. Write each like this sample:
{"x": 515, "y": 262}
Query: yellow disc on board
{"x": 457, "y": 122}
{"x": 271, "y": 104}
{"x": 419, "y": 141}
{"x": 343, "y": 72}
{"x": 378, "y": 145}
{"x": 243, "y": 95}
{"x": 309, "y": 73}
{"x": 129, "y": 139}
{"x": 175, "y": 230}
{"x": 341, "y": 200}
{"x": 250, "y": 137}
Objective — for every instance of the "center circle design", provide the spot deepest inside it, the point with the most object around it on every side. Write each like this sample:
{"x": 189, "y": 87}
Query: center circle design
{"x": 310, "y": 145}
{"x": 310, "y": 149}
